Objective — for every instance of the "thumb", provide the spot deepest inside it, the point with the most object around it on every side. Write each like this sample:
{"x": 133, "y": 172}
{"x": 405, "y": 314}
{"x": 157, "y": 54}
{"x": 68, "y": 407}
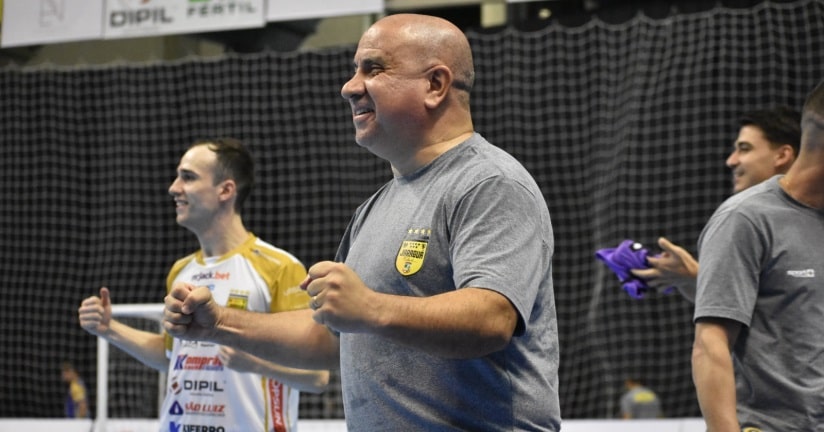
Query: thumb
{"x": 197, "y": 297}
{"x": 668, "y": 246}
{"x": 105, "y": 297}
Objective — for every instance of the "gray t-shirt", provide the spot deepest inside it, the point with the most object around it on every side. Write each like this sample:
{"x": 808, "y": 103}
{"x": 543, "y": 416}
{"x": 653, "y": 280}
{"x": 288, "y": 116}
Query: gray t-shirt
{"x": 762, "y": 264}
{"x": 474, "y": 217}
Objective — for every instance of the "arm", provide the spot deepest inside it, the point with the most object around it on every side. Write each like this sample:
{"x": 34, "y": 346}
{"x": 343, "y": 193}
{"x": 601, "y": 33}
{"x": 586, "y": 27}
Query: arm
{"x": 673, "y": 267}
{"x": 311, "y": 381}
{"x": 287, "y": 338}
{"x": 95, "y": 316}
{"x": 712, "y": 373}
{"x": 82, "y": 409}
{"x": 466, "y": 323}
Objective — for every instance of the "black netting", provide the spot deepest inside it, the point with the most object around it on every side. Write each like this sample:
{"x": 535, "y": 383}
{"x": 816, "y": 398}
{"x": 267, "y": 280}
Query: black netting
{"x": 624, "y": 126}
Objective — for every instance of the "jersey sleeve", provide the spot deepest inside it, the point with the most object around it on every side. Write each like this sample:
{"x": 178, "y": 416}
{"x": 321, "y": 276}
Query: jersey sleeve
{"x": 283, "y": 274}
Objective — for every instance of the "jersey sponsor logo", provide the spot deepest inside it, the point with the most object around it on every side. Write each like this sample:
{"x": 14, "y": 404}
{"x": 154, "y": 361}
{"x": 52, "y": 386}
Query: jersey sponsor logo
{"x": 175, "y": 386}
{"x": 808, "y": 273}
{"x": 202, "y": 387}
{"x": 205, "y": 409}
{"x": 238, "y": 299}
{"x": 180, "y": 427}
{"x": 187, "y": 362}
{"x": 276, "y": 405}
{"x": 176, "y": 409}
{"x": 210, "y": 275}
{"x": 412, "y": 252}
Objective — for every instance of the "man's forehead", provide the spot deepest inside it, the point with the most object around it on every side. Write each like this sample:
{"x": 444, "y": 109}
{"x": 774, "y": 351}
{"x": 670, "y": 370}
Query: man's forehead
{"x": 751, "y": 133}
{"x": 198, "y": 157}
{"x": 370, "y": 54}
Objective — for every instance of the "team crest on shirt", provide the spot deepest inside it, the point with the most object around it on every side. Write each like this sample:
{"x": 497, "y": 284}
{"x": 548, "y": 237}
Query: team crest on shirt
{"x": 238, "y": 299}
{"x": 413, "y": 251}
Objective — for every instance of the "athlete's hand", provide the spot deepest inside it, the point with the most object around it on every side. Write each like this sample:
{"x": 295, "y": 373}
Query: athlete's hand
{"x": 340, "y": 298}
{"x": 238, "y": 360}
{"x": 673, "y": 267}
{"x": 95, "y": 313}
{"x": 190, "y": 312}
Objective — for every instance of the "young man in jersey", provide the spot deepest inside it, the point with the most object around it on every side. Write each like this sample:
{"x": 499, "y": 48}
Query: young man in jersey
{"x": 214, "y": 178}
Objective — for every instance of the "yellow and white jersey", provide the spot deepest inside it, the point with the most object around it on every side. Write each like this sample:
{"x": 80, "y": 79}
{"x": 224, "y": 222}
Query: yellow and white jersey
{"x": 203, "y": 394}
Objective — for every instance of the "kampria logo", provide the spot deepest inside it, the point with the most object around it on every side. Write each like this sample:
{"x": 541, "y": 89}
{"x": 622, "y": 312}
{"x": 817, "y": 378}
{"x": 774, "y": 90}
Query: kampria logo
{"x": 187, "y": 362}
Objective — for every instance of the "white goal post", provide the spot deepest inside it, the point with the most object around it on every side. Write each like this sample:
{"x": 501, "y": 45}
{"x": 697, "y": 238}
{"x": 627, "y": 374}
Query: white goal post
{"x": 150, "y": 311}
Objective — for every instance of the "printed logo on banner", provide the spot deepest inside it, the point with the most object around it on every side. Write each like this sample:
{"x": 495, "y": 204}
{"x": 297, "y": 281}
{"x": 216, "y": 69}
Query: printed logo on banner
{"x": 52, "y": 12}
{"x": 45, "y": 21}
{"x": 130, "y": 18}
{"x": 137, "y": 14}
{"x": 219, "y": 8}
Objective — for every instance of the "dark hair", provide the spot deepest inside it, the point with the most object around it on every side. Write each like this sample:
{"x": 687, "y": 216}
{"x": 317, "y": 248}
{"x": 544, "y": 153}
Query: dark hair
{"x": 780, "y": 125}
{"x": 233, "y": 162}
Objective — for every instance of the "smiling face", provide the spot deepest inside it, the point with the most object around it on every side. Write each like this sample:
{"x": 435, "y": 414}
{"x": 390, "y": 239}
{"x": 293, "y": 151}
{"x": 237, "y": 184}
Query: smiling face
{"x": 195, "y": 192}
{"x": 387, "y": 91}
{"x": 754, "y": 159}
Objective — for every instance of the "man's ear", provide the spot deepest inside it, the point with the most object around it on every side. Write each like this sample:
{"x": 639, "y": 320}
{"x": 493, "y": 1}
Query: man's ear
{"x": 784, "y": 157}
{"x": 440, "y": 82}
{"x": 227, "y": 189}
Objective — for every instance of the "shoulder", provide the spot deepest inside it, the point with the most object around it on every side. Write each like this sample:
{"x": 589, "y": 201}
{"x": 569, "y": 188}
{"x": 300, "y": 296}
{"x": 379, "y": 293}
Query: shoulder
{"x": 267, "y": 251}
{"x": 747, "y": 207}
{"x": 753, "y": 199}
{"x": 177, "y": 267}
{"x": 477, "y": 161}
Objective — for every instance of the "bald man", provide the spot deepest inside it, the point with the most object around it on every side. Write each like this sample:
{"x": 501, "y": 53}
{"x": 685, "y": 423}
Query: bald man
{"x": 439, "y": 307}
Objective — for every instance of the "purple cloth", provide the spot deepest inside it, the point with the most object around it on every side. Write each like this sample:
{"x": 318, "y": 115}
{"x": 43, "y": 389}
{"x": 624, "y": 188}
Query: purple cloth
{"x": 628, "y": 255}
